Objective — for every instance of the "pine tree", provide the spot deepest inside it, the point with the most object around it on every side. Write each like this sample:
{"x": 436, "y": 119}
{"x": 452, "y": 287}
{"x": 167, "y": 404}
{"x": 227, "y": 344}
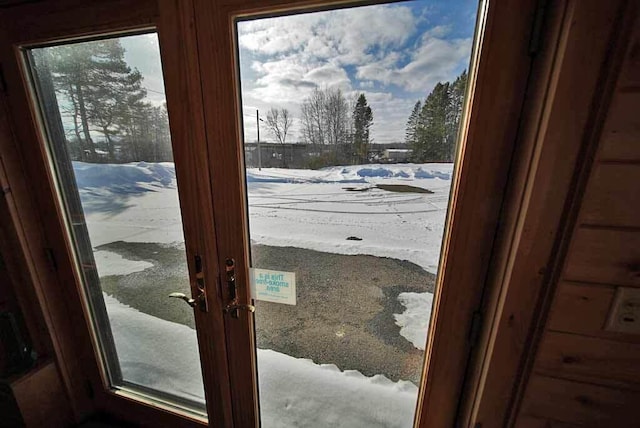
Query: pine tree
{"x": 457, "y": 91}
{"x": 413, "y": 130}
{"x": 100, "y": 89}
{"x": 433, "y": 115}
{"x": 432, "y": 128}
{"x": 362, "y": 121}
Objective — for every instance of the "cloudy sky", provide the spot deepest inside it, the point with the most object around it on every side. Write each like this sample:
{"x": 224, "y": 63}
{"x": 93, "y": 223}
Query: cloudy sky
{"x": 394, "y": 54}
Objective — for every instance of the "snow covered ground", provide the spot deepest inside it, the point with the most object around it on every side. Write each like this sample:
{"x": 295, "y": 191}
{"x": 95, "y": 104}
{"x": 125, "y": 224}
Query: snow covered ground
{"x": 414, "y": 321}
{"x": 313, "y": 209}
{"x": 293, "y": 392}
{"x": 316, "y": 210}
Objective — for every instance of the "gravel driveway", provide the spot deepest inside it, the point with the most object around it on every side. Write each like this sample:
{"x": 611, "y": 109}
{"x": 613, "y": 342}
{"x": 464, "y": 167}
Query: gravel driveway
{"x": 344, "y": 311}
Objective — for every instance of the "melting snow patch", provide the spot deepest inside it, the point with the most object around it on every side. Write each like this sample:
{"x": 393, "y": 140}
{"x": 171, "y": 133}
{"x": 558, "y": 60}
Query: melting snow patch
{"x": 414, "y": 321}
{"x": 109, "y": 263}
{"x": 293, "y": 392}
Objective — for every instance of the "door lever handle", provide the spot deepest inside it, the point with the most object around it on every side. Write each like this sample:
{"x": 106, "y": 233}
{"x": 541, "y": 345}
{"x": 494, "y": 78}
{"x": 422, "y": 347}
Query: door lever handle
{"x": 191, "y": 302}
{"x": 200, "y": 301}
{"x": 233, "y": 308}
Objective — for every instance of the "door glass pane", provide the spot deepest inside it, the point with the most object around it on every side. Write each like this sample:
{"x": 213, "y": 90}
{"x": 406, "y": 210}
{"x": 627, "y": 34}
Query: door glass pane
{"x": 104, "y": 110}
{"x": 350, "y": 122}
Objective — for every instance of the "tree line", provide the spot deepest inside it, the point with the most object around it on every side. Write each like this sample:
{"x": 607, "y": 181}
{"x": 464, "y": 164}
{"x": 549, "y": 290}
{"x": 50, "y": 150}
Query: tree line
{"x": 107, "y": 115}
{"x": 432, "y": 127}
{"x": 337, "y": 130}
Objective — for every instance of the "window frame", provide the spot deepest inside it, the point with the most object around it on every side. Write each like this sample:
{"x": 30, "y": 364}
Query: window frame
{"x": 500, "y": 73}
{"x": 77, "y": 349}
{"x": 194, "y": 44}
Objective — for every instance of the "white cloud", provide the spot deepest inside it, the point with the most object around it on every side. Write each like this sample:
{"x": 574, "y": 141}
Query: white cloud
{"x": 434, "y": 60}
{"x": 374, "y": 49}
{"x": 347, "y": 36}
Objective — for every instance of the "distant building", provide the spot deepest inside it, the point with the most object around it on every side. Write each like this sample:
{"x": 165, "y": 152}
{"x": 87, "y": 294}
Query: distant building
{"x": 276, "y": 155}
{"x": 396, "y": 155}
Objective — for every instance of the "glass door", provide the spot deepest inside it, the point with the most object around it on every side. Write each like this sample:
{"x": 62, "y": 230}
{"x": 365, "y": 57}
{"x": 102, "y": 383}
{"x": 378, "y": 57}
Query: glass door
{"x": 118, "y": 137}
{"x": 264, "y": 206}
{"x": 350, "y": 130}
{"x": 105, "y": 112}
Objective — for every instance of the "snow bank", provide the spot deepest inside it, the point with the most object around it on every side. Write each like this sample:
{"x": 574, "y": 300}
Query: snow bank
{"x": 293, "y": 392}
{"x": 311, "y": 209}
{"x": 350, "y": 174}
{"x": 414, "y": 321}
{"x": 123, "y": 176}
{"x": 109, "y": 263}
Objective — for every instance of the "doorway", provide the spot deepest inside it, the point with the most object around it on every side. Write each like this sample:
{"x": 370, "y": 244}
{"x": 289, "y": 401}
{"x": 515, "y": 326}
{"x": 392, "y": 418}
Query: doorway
{"x": 307, "y": 261}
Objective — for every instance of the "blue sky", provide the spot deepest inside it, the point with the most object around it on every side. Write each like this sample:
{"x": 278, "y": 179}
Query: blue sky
{"x": 394, "y": 54}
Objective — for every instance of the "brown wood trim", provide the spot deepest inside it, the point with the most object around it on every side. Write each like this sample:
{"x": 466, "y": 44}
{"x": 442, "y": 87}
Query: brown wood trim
{"x": 62, "y": 290}
{"x": 217, "y": 61}
{"x": 529, "y": 260}
{"x": 18, "y": 269}
{"x": 538, "y": 85}
{"x": 501, "y": 75}
{"x": 488, "y": 145}
{"x": 46, "y": 21}
{"x": 69, "y": 346}
{"x": 183, "y": 85}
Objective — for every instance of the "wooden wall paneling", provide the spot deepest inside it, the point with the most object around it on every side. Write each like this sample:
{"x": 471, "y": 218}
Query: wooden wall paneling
{"x": 589, "y": 359}
{"x": 582, "y": 308}
{"x": 583, "y": 374}
{"x": 603, "y": 255}
{"x": 579, "y": 403}
{"x": 568, "y": 102}
{"x": 613, "y": 195}
{"x": 621, "y": 138}
{"x": 533, "y": 422}
{"x": 41, "y": 397}
{"x": 630, "y": 74}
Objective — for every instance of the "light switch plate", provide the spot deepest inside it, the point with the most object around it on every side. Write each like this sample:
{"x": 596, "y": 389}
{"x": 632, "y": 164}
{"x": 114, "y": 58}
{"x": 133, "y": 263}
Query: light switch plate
{"x": 624, "y": 315}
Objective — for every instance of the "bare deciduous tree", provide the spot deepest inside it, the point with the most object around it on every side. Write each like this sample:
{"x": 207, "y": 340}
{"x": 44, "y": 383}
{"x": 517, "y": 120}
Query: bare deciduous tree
{"x": 279, "y": 122}
{"x": 326, "y": 123}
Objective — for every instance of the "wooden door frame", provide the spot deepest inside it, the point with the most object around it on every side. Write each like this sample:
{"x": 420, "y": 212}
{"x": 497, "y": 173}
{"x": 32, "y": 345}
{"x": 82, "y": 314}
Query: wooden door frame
{"x": 582, "y": 49}
{"x": 40, "y": 216}
{"x": 499, "y": 80}
{"x": 501, "y": 77}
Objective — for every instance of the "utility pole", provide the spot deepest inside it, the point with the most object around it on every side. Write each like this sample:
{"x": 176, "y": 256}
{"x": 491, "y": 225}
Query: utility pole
{"x": 259, "y": 149}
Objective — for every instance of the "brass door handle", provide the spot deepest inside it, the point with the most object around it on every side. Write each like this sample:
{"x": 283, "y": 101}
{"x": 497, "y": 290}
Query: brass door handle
{"x": 233, "y": 308}
{"x": 234, "y": 305}
{"x": 200, "y": 301}
{"x": 191, "y": 302}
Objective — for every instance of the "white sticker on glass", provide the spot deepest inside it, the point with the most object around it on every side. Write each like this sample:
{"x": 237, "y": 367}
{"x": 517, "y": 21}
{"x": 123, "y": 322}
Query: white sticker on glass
{"x": 273, "y": 286}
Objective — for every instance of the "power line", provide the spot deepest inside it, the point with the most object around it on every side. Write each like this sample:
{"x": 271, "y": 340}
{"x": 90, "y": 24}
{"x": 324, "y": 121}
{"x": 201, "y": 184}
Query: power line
{"x": 153, "y": 90}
